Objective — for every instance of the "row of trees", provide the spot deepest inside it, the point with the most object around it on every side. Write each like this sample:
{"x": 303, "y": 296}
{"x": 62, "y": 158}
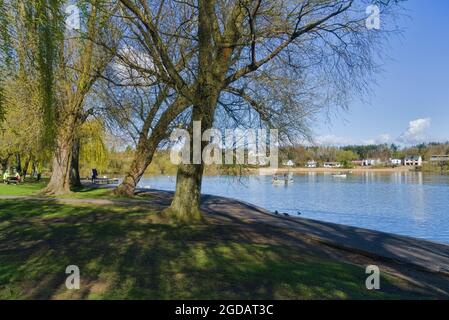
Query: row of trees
{"x": 141, "y": 68}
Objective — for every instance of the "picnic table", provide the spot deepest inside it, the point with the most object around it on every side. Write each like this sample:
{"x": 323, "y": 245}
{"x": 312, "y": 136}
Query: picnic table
{"x": 10, "y": 180}
{"x": 105, "y": 181}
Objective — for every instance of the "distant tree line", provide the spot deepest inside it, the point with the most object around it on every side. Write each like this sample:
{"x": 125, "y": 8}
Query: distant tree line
{"x": 301, "y": 154}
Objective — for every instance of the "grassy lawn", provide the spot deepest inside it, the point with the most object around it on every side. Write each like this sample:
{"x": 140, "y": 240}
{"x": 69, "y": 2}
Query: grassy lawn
{"x": 125, "y": 253}
{"x": 32, "y": 187}
{"x": 24, "y": 189}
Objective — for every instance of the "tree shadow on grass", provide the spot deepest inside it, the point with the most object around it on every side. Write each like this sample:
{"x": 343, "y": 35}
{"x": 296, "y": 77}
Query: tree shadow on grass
{"x": 123, "y": 254}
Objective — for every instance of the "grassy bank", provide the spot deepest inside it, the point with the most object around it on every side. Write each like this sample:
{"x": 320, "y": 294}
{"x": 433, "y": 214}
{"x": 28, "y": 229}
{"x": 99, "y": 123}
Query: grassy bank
{"x": 126, "y": 252}
{"x": 25, "y": 189}
{"x": 438, "y": 168}
{"x": 32, "y": 188}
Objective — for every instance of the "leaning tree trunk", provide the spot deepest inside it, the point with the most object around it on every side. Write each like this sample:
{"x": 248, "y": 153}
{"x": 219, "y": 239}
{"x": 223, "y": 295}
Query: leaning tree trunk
{"x": 144, "y": 154}
{"x": 75, "y": 179}
{"x": 147, "y": 146}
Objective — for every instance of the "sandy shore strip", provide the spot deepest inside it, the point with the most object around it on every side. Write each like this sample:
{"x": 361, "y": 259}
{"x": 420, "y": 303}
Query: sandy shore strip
{"x": 357, "y": 170}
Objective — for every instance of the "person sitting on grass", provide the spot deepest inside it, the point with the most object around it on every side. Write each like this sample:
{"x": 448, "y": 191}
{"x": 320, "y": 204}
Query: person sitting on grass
{"x": 7, "y": 178}
{"x": 17, "y": 177}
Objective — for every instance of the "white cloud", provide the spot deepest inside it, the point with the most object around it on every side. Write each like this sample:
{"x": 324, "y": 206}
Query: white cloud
{"x": 333, "y": 140}
{"x": 416, "y": 131}
{"x": 127, "y": 75}
{"x": 383, "y": 138}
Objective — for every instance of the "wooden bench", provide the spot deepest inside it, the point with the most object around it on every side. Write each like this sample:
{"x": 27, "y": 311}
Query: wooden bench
{"x": 105, "y": 181}
{"x": 11, "y": 180}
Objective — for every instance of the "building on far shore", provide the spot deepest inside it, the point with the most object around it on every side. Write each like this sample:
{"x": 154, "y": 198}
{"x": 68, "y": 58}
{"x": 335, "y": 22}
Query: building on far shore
{"x": 413, "y": 161}
{"x": 332, "y": 165}
{"x": 357, "y": 162}
{"x": 395, "y": 162}
{"x": 440, "y": 158}
{"x": 311, "y": 164}
{"x": 288, "y": 163}
{"x": 370, "y": 162}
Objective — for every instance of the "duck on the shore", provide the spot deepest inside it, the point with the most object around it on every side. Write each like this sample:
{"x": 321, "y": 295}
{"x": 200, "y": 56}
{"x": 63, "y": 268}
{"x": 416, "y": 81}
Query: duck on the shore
{"x": 276, "y": 212}
{"x": 286, "y": 214}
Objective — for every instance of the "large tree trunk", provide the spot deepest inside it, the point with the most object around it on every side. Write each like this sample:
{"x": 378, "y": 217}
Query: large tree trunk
{"x": 185, "y": 207}
{"x": 75, "y": 179}
{"x": 4, "y": 164}
{"x": 62, "y": 158}
{"x": 186, "y": 202}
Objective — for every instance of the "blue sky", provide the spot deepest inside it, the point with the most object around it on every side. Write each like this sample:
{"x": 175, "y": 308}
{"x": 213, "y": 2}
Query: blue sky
{"x": 410, "y": 102}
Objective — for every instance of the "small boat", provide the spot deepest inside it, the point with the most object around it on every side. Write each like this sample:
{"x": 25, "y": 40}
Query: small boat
{"x": 277, "y": 180}
{"x": 340, "y": 175}
{"x": 286, "y": 178}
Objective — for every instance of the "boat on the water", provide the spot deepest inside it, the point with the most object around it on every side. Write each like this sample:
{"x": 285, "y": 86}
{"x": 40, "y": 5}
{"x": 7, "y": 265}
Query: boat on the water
{"x": 340, "y": 175}
{"x": 286, "y": 178}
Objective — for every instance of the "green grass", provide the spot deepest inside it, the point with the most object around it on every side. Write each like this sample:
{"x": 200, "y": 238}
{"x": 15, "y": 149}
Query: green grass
{"x": 24, "y": 189}
{"x": 90, "y": 193}
{"x": 31, "y": 188}
{"x": 125, "y": 253}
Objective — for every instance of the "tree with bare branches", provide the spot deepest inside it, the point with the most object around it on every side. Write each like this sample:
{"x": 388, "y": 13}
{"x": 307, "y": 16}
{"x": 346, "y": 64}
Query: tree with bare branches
{"x": 232, "y": 43}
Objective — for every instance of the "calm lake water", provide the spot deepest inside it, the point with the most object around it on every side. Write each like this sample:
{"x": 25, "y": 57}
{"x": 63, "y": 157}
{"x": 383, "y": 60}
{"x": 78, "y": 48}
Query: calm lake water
{"x": 412, "y": 204}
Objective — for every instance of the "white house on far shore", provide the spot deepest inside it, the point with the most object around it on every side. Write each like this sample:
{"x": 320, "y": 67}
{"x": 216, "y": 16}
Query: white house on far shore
{"x": 332, "y": 165}
{"x": 413, "y": 161}
{"x": 311, "y": 164}
{"x": 288, "y": 163}
{"x": 396, "y": 162}
{"x": 370, "y": 162}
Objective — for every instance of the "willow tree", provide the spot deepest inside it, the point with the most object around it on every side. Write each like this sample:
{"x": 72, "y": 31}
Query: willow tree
{"x": 5, "y": 52}
{"x": 89, "y": 149}
{"x": 234, "y": 42}
{"x": 22, "y": 128}
{"x": 70, "y": 62}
